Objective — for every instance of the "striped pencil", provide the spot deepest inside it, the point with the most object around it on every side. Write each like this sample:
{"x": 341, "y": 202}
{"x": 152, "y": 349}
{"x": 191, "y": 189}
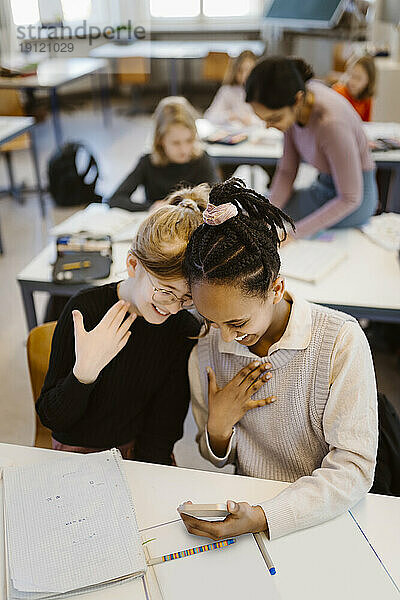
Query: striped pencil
{"x": 190, "y": 552}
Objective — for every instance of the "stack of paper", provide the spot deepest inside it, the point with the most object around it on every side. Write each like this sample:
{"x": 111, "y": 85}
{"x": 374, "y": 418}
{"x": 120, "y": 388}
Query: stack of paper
{"x": 70, "y": 525}
{"x": 384, "y": 230}
{"x": 100, "y": 219}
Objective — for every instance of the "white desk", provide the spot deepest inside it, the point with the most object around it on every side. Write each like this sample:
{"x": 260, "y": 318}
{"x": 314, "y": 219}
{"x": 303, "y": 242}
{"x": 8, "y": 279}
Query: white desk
{"x": 55, "y": 72}
{"x": 379, "y": 518}
{"x": 330, "y": 561}
{"x": 10, "y": 128}
{"x": 37, "y": 276}
{"x": 266, "y": 147}
{"x": 175, "y": 50}
{"x": 366, "y": 284}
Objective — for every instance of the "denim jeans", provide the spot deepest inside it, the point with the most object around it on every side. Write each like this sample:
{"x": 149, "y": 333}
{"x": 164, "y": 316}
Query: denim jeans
{"x": 307, "y": 200}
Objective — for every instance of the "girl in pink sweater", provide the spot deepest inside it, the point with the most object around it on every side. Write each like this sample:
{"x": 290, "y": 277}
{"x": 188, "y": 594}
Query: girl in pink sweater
{"x": 321, "y": 128}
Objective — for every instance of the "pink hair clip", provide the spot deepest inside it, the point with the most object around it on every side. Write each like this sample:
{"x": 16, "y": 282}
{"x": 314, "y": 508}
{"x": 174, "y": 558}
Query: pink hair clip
{"x": 216, "y": 215}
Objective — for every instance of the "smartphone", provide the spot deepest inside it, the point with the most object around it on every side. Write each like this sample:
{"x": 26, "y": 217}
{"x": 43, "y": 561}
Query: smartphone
{"x": 204, "y": 510}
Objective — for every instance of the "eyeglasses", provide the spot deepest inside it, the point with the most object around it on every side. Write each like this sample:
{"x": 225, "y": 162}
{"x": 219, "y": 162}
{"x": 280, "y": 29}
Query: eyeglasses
{"x": 166, "y": 297}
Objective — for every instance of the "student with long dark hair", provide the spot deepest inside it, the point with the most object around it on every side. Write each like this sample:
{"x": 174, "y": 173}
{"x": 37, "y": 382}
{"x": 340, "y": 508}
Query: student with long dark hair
{"x": 282, "y": 388}
{"x": 322, "y": 129}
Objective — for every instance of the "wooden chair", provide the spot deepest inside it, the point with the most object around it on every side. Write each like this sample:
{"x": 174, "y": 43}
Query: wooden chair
{"x": 134, "y": 71}
{"x": 215, "y": 66}
{"x": 11, "y": 106}
{"x": 38, "y": 352}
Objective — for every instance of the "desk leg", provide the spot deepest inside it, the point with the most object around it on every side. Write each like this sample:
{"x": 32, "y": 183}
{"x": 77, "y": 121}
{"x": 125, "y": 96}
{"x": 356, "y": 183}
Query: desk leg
{"x": 56, "y": 116}
{"x": 105, "y": 97}
{"x": 15, "y": 192}
{"x": 37, "y": 173}
{"x": 29, "y": 304}
{"x": 173, "y": 77}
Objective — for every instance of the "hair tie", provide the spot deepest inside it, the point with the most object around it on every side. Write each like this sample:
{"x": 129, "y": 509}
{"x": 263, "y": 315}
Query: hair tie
{"x": 216, "y": 215}
{"x": 188, "y": 203}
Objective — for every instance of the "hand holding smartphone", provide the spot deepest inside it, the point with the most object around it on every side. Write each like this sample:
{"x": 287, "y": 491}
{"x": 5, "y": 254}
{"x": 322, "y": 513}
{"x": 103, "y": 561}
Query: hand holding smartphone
{"x": 204, "y": 510}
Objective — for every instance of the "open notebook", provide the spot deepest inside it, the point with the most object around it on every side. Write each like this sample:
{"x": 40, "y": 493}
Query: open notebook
{"x": 70, "y": 527}
{"x": 310, "y": 260}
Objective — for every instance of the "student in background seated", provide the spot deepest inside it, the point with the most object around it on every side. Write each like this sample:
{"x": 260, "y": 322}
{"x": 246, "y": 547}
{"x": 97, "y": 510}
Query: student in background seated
{"x": 358, "y": 85}
{"x": 118, "y": 366}
{"x": 177, "y": 158}
{"x": 282, "y": 388}
{"x": 320, "y": 128}
{"x": 229, "y": 104}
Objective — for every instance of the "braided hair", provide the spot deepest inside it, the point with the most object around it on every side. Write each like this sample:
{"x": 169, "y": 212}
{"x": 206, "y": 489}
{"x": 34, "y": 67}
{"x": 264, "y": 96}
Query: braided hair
{"x": 243, "y": 250}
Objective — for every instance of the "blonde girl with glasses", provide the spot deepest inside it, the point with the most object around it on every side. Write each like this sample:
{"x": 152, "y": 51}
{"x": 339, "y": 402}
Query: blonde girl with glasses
{"x": 118, "y": 366}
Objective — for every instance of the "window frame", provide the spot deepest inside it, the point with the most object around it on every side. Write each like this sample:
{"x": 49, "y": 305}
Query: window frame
{"x": 255, "y": 12}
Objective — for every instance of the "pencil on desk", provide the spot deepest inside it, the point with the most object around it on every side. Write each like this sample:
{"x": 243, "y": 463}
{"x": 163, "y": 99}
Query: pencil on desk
{"x": 267, "y": 559}
{"x": 190, "y": 552}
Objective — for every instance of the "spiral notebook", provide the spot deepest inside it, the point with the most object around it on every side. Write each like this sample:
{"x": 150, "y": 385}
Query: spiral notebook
{"x": 70, "y": 527}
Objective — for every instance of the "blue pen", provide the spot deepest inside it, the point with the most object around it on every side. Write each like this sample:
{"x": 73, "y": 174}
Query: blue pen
{"x": 264, "y": 552}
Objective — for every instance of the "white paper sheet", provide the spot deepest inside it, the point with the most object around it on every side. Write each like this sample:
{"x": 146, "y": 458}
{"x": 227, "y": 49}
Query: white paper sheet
{"x": 212, "y": 574}
{"x": 70, "y": 524}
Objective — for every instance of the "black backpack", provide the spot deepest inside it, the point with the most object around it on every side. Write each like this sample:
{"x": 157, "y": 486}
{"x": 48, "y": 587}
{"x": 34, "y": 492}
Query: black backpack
{"x": 67, "y": 185}
{"x": 387, "y": 471}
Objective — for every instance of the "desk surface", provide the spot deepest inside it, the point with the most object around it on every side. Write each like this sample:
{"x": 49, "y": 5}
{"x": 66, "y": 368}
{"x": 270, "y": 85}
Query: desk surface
{"x": 331, "y": 561}
{"x": 268, "y": 144}
{"x": 54, "y": 72}
{"x": 11, "y": 127}
{"x": 175, "y": 49}
{"x": 368, "y": 278}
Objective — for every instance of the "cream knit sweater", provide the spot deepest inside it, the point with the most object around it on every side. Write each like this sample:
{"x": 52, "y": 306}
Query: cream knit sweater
{"x": 321, "y": 433}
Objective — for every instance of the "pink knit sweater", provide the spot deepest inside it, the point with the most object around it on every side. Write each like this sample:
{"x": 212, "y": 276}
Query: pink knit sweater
{"x": 334, "y": 142}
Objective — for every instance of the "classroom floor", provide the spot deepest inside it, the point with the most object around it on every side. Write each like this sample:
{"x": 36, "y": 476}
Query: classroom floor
{"x": 24, "y": 235}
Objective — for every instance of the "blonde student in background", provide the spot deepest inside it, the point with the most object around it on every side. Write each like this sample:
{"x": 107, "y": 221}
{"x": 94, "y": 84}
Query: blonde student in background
{"x": 177, "y": 158}
{"x": 229, "y": 108}
{"x": 358, "y": 85}
{"x": 282, "y": 388}
{"x": 118, "y": 367}
{"x": 229, "y": 104}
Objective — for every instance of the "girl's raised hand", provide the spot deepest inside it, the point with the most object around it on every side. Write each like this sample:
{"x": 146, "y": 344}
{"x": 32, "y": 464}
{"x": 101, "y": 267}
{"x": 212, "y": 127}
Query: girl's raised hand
{"x": 96, "y": 348}
{"x": 227, "y": 405}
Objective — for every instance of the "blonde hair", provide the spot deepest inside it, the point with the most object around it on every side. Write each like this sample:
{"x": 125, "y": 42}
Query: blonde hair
{"x": 161, "y": 240}
{"x": 234, "y": 66}
{"x": 368, "y": 64}
{"x": 173, "y": 110}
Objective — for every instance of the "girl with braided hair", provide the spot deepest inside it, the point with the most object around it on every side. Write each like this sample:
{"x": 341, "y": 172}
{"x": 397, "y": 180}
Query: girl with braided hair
{"x": 282, "y": 388}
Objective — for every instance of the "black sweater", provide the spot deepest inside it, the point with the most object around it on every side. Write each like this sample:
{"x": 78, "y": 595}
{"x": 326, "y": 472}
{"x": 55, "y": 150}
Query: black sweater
{"x": 160, "y": 181}
{"x": 141, "y": 395}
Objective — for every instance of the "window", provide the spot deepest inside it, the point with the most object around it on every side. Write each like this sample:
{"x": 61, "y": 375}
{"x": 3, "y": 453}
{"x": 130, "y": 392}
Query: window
{"x": 205, "y": 8}
{"x": 174, "y": 8}
{"x": 25, "y": 12}
{"x": 226, "y": 8}
{"x": 76, "y": 11}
